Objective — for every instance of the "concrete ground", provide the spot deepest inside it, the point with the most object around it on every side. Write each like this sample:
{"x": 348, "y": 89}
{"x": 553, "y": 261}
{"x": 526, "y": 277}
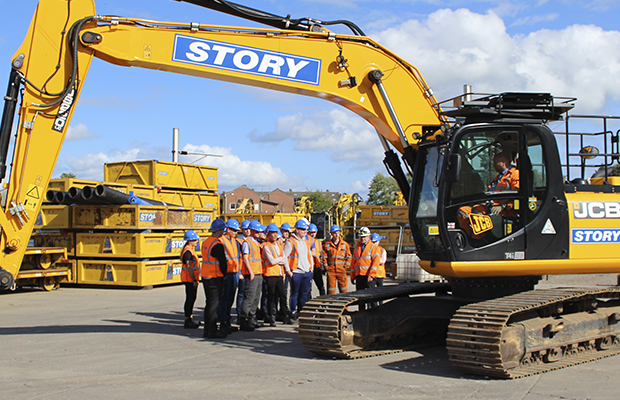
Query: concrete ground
{"x": 91, "y": 343}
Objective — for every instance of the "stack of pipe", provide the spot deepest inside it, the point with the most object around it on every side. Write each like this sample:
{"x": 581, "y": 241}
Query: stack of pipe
{"x": 99, "y": 194}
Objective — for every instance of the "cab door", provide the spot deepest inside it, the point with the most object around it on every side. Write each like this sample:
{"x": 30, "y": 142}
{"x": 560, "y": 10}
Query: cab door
{"x": 483, "y": 206}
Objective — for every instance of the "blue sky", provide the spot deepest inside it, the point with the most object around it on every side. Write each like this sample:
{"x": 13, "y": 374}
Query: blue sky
{"x": 274, "y": 140}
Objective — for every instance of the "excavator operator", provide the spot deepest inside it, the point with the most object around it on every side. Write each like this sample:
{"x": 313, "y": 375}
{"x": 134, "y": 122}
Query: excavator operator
{"x": 506, "y": 179}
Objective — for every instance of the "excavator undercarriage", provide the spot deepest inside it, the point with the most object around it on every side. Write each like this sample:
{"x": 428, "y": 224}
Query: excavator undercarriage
{"x": 508, "y": 337}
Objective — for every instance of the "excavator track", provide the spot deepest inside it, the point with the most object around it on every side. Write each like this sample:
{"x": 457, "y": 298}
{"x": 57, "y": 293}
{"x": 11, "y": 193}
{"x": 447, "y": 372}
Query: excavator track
{"x": 327, "y": 327}
{"x": 535, "y": 331}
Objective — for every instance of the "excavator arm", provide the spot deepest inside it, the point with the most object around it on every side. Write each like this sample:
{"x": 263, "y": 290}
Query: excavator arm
{"x": 53, "y": 61}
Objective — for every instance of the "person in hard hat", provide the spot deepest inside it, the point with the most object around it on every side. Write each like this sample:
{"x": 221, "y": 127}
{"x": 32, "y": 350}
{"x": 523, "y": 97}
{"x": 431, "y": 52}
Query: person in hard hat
{"x": 252, "y": 270}
{"x": 506, "y": 179}
{"x": 317, "y": 248}
{"x": 245, "y": 233}
{"x": 297, "y": 250}
{"x": 274, "y": 267}
{"x": 365, "y": 261}
{"x": 285, "y": 230}
{"x": 336, "y": 260}
{"x": 381, "y": 274}
{"x": 232, "y": 249}
{"x": 190, "y": 276}
{"x": 213, "y": 271}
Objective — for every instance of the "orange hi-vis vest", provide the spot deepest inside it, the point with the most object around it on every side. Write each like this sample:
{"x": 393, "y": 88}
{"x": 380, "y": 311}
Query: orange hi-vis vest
{"x": 277, "y": 250}
{"x": 381, "y": 269}
{"x": 365, "y": 263}
{"x": 293, "y": 258}
{"x": 186, "y": 270}
{"x": 336, "y": 257}
{"x": 255, "y": 258}
{"x": 233, "y": 258}
{"x": 316, "y": 251}
{"x": 210, "y": 264}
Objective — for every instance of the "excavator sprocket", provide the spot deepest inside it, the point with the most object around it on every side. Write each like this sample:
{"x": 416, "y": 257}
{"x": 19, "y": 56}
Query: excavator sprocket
{"x": 338, "y": 326}
{"x": 535, "y": 331}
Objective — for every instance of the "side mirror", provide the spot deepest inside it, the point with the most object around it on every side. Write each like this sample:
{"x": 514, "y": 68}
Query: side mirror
{"x": 453, "y": 169}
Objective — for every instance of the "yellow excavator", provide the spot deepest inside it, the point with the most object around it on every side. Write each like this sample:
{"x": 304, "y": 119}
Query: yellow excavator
{"x": 492, "y": 242}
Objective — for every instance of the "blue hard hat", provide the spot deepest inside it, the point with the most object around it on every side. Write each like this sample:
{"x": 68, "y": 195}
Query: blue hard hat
{"x": 191, "y": 235}
{"x": 255, "y": 226}
{"x": 273, "y": 228}
{"x": 375, "y": 237}
{"x": 285, "y": 226}
{"x": 334, "y": 228}
{"x": 217, "y": 225}
{"x": 301, "y": 224}
{"x": 312, "y": 228}
{"x": 262, "y": 228}
{"x": 245, "y": 224}
{"x": 232, "y": 224}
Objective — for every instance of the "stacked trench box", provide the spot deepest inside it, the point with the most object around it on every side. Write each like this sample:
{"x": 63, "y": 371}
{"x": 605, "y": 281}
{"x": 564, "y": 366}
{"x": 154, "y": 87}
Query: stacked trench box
{"x": 133, "y": 244}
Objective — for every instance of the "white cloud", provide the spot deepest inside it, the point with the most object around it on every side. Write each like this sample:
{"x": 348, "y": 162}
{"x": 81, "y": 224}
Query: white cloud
{"x": 346, "y": 136}
{"x": 234, "y": 172}
{"x": 452, "y": 48}
{"x": 79, "y": 132}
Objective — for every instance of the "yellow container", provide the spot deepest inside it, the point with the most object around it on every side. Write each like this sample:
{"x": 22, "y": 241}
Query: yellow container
{"x": 162, "y": 174}
{"x": 128, "y": 273}
{"x": 132, "y": 245}
{"x": 65, "y": 183}
{"x": 145, "y": 192}
{"x": 383, "y": 215}
{"x": 42, "y": 238}
{"x": 53, "y": 217}
{"x": 140, "y": 217}
{"x": 209, "y": 201}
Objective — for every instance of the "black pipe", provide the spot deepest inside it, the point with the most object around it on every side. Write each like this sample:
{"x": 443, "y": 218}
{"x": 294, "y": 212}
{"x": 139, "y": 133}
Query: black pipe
{"x": 112, "y": 196}
{"x": 62, "y": 198}
{"x": 8, "y": 114}
{"x": 50, "y": 196}
{"x": 75, "y": 194}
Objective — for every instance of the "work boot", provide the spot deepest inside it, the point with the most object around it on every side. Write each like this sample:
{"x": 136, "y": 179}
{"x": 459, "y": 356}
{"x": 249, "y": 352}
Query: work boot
{"x": 244, "y": 326}
{"x": 227, "y": 327}
{"x": 253, "y": 322}
{"x": 216, "y": 334}
{"x": 191, "y": 323}
{"x": 287, "y": 319}
{"x": 272, "y": 320}
{"x": 294, "y": 316}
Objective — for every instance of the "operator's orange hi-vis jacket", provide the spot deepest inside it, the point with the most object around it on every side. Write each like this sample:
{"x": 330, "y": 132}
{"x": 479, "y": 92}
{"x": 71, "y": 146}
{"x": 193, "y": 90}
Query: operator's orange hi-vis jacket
{"x": 233, "y": 258}
{"x": 210, "y": 265}
{"x": 186, "y": 270}
{"x": 365, "y": 263}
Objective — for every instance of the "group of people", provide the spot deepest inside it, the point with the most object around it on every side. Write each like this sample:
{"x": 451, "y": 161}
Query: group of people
{"x": 257, "y": 264}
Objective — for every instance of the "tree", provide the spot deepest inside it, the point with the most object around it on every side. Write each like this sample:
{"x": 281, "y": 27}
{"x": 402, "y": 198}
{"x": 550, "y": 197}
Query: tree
{"x": 67, "y": 175}
{"x": 320, "y": 202}
{"x": 381, "y": 190}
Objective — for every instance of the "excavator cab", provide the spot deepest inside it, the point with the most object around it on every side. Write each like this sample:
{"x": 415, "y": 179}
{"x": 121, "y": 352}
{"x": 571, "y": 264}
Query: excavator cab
{"x": 463, "y": 208}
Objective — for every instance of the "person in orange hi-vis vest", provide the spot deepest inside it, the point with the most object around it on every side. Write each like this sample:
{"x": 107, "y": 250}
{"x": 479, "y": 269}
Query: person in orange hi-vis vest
{"x": 365, "y": 262}
{"x": 274, "y": 263}
{"x": 316, "y": 246}
{"x": 190, "y": 276}
{"x": 336, "y": 260}
{"x": 252, "y": 270}
{"x": 376, "y": 239}
{"x": 300, "y": 261}
{"x": 245, "y": 233}
{"x": 213, "y": 270}
{"x": 232, "y": 249}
